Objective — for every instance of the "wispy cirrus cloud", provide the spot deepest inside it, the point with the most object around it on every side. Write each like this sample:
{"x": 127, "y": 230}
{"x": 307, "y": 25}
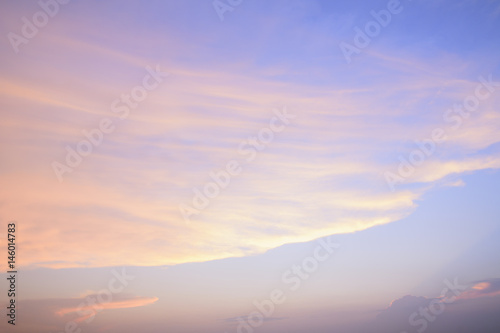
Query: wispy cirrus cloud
{"x": 86, "y": 312}
{"x": 321, "y": 176}
{"x": 48, "y": 315}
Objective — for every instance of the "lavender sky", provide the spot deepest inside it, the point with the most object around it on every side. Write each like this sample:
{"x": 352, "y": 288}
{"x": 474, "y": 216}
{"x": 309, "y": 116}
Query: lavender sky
{"x": 252, "y": 166}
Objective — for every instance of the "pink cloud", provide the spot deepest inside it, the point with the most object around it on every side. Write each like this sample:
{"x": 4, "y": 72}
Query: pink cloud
{"x": 91, "y": 310}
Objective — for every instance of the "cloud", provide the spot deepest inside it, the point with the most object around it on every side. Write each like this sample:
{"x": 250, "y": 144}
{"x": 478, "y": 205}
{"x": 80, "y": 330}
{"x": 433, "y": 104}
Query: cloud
{"x": 90, "y": 311}
{"x": 456, "y": 183}
{"x": 473, "y": 308}
{"x": 49, "y": 315}
{"x": 486, "y": 288}
{"x": 407, "y": 302}
{"x": 397, "y": 314}
{"x": 320, "y": 176}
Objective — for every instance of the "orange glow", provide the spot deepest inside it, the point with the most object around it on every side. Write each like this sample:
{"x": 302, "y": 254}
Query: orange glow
{"x": 482, "y": 286}
{"x": 91, "y": 310}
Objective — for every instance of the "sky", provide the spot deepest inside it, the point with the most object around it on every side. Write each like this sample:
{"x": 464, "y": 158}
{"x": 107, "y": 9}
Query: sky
{"x": 251, "y": 166}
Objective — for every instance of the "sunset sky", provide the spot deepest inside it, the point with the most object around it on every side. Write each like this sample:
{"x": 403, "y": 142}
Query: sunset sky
{"x": 174, "y": 166}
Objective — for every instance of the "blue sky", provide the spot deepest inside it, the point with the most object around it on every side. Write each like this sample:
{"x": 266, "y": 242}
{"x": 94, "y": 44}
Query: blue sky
{"x": 209, "y": 157}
